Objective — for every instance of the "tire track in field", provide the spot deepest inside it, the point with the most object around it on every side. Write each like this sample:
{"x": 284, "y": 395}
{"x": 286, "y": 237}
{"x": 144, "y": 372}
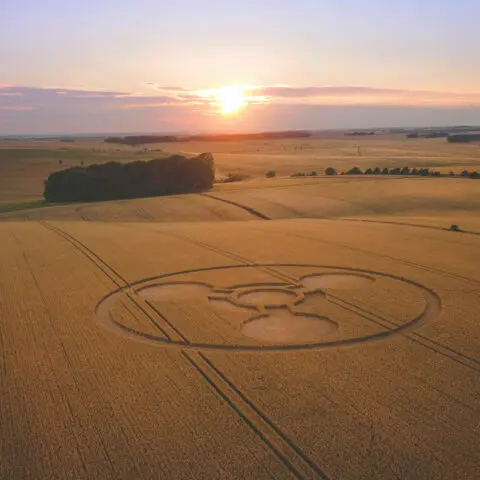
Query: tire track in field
{"x": 427, "y": 342}
{"x": 369, "y": 252}
{"x": 433, "y": 345}
{"x": 114, "y": 277}
{"x": 292, "y": 456}
{"x": 288, "y": 453}
{"x": 261, "y": 215}
{"x": 417, "y": 225}
{"x": 250, "y": 210}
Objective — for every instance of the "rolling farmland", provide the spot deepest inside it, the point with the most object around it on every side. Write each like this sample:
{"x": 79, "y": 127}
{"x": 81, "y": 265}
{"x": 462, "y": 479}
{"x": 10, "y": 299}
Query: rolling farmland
{"x": 273, "y": 328}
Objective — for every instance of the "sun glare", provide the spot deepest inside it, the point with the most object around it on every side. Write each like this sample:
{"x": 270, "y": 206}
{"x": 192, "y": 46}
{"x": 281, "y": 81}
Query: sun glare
{"x": 231, "y": 99}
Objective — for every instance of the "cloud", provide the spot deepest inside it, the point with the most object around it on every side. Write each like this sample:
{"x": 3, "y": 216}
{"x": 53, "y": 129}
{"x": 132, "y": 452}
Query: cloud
{"x": 59, "y": 97}
{"x": 160, "y": 88}
{"x": 347, "y": 95}
{"x": 15, "y": 108}
{"x": 166, "y": 108}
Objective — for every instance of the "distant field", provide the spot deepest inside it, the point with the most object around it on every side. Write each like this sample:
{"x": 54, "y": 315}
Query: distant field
{"x": 25, "y": 165}
{"x": 286, "y": 328}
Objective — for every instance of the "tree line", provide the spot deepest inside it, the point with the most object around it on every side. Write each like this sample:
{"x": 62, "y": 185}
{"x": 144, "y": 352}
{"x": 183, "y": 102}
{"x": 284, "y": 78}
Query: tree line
{"x": 423, "y": 172}
{"x": 113, "y": 180}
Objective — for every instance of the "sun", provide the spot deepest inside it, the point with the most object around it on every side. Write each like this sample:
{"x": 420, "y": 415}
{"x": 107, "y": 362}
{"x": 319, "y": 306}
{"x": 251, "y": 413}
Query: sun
{"x": 231, "y": 99}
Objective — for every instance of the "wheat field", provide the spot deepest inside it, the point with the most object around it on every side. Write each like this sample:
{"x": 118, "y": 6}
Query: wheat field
{"x": 312, "y": 328}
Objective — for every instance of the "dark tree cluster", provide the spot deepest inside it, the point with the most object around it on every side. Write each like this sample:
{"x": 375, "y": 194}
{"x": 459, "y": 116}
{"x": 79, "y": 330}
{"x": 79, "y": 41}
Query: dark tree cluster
{"x": 113, "y": 180}
{"x": 464, "y": 138}
{"x": 313, "y": 173}
{"x": 474, "y": 175}
{"x": 358, "y": 134}
{"x": 135, "y": 140}
{"x": 428, "y": 134}
{"x": 250, "y": 136}
{"x": 424, "y": 172}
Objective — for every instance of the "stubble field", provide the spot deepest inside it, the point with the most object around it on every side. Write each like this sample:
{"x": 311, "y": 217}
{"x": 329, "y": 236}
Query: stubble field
{"x": 272, "y": 328}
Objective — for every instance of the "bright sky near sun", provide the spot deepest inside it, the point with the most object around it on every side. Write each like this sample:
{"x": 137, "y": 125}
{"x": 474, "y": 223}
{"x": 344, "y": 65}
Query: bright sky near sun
{"x": 165, "y": 54}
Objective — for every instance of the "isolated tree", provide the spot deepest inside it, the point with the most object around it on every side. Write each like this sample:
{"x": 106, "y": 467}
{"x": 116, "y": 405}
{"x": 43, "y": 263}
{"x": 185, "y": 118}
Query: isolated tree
{"x": 405, "y": 171}
{"x": 271, "y": 174}
{"x": 368, "y": 171}
{"x": 330, "y": 171}
{"x": 377, "y": 171}
{"x": 355, "y": 171}
{"x": 465, "y": 173}
{"x": 385, "y": 171}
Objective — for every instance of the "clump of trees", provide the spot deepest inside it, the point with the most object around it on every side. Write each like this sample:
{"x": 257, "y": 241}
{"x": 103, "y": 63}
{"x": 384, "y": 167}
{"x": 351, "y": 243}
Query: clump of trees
{"x": 110, "y": 181}
{"x": 313, "y": 173}
{"x": 464, "y": 138}
{"x": 355, "y": 171}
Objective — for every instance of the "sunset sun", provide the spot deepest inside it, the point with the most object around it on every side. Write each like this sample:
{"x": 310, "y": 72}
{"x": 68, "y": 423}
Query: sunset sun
{"x": 231, "y": 99}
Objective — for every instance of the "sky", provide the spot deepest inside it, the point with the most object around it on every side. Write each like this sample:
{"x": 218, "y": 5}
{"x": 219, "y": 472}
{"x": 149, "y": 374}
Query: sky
{"x": 71, "y": 66}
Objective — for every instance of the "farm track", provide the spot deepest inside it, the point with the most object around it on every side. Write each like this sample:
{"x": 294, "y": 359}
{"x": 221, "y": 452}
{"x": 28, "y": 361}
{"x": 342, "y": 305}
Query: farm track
{"x": 418, "y": 265}
{"x": 369, "y": 252}
{"x": 433, "y": 345}
{"x": 405, "y": 224}
{"x": 250, "y": 210}
{"x": 292, "y": 457}
{"x": 261, "y": 215}
{"x": 110, "y": 272}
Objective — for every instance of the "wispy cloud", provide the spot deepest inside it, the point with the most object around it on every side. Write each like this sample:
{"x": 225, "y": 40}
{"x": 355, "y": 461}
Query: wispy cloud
{"x": 358, "y": 95}
{"x": 15, "y": 108}
{"x": 165, "y": 108}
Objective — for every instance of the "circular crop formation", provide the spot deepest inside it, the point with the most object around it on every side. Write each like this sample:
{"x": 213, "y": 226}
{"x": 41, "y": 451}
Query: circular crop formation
{"x": 293, "y": 307}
